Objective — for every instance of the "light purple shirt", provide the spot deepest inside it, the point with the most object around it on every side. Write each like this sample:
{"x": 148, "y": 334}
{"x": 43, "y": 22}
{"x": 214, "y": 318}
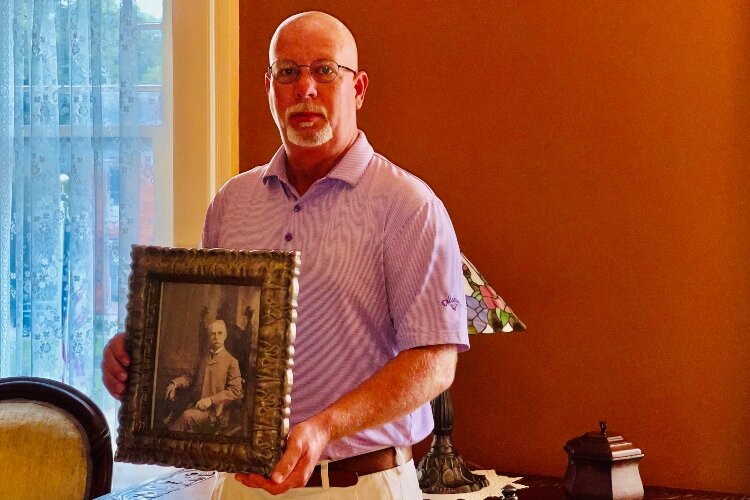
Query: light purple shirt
{"x": 380, "y": 273}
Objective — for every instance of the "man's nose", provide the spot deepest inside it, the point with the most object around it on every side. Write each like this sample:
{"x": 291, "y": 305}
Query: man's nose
{"x": 305, "y": 86}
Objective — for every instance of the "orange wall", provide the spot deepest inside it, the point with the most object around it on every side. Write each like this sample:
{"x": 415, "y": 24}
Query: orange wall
{"x": 594, "y": 159}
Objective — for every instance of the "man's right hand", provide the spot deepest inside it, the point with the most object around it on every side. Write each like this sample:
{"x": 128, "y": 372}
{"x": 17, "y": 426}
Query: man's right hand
{"x": 115, "y": 361}
{"x": 304, "y": 445}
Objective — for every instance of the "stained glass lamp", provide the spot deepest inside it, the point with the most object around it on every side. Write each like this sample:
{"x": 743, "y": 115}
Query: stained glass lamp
{"x": 442, "y": 470}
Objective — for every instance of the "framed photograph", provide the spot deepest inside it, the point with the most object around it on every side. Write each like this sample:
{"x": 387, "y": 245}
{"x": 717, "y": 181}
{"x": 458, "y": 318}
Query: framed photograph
{"x": 210, "y": 335}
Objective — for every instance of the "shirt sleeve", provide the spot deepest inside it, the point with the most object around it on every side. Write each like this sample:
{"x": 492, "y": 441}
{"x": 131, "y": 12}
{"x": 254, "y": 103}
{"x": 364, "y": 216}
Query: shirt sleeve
{"x": 424, "y": 281}
{"x": 211, "y": 224}
{"x": 233, "y": 385}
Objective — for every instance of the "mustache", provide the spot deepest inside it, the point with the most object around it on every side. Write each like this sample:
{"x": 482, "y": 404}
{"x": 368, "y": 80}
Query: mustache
{"x": 306, "y": 107}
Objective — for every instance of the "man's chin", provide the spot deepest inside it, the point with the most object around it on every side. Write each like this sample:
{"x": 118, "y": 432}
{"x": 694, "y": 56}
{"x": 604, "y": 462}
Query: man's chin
{"x": 306, "y": 138}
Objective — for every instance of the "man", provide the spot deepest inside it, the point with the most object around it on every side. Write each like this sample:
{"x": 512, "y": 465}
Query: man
{"x": 216, "y": 382}
{"x": 379, "y": 257}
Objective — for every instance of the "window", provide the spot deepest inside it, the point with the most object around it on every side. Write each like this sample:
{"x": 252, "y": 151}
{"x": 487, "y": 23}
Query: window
{"x": 78, "y": 120}
{"x": 85, "y": 146}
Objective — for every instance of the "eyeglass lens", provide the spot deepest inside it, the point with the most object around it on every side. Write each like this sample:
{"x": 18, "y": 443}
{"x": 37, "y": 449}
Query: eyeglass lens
{"x": 322, "y": 70}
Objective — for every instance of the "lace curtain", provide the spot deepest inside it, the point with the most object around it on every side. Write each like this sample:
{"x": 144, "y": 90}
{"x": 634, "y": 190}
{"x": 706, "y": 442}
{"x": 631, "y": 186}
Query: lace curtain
{"x": 75, "y": 183}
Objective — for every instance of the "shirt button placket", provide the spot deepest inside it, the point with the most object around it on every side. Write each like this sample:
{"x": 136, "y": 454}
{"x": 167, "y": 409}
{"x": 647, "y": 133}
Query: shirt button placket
{"x": 289, "y": 236}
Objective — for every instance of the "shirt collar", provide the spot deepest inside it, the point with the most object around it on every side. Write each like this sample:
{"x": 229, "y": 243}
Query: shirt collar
{"x": 349, "y": 169}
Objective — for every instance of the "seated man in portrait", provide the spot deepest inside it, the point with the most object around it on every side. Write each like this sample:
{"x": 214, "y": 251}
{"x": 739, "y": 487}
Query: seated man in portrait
{"x": 215, "y": 382}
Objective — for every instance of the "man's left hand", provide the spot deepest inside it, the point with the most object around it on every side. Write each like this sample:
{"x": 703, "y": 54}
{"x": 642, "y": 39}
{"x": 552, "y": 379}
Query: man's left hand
{"x": 204, "y": 404}
{"x": 305, "y": 444}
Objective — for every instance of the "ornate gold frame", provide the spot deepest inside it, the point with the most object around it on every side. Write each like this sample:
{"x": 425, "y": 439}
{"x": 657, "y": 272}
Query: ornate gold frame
{"x": 275, "y": 273}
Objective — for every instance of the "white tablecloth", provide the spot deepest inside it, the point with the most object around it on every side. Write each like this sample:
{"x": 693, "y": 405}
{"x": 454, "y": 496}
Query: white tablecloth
{"x": 495, "y": 488}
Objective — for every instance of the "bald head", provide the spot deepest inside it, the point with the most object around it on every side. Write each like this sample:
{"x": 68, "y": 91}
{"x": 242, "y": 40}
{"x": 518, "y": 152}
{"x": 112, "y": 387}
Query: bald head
{"x": 218, "y": 325}
{"x": 315, "y": 27}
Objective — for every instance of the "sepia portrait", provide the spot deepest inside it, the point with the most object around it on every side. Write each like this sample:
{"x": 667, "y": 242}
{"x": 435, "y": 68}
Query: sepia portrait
{"x": 205, "y": 354}
{"x": 210, "y": 336}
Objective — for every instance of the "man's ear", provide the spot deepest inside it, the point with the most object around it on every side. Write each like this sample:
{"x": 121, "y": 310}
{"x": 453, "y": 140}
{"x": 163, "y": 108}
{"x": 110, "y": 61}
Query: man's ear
{"x": 361, "y": 80}
{"x": 268, "y": 82}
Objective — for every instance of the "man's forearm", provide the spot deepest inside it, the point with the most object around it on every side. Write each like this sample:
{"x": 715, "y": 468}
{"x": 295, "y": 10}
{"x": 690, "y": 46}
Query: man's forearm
{"x": 411, "y": 379}
{"x": 182, "y": 381}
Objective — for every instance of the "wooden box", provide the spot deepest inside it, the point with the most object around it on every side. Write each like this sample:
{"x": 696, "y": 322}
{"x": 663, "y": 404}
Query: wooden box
{"x": 602, "y": 466}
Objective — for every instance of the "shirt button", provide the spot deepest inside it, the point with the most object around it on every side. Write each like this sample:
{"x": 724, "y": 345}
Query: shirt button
{"x": 288, "y": 237}
{"x": 297, "y": 208}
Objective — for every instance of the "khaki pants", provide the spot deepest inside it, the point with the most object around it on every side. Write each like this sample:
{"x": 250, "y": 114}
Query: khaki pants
{"x": 399, "y": 483}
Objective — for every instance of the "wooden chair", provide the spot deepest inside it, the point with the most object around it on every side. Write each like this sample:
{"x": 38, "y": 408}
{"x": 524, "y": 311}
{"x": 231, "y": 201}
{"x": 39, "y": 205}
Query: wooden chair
{"x": 54, "y": 442}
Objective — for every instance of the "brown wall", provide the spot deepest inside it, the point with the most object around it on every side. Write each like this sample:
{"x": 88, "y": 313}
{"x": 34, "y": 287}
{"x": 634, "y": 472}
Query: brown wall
{"x": 594, "y": 159}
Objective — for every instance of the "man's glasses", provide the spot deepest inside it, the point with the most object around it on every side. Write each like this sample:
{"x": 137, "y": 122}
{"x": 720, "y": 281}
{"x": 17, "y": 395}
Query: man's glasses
{"x": 322, "y": 70}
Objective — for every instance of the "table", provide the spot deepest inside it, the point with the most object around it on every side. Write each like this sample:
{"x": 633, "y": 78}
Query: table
{"x": 551, "y": 488}
{"x": 187, "y": 484}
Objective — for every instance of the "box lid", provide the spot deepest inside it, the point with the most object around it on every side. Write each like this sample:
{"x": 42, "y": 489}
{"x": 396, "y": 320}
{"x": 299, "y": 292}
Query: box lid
{"x": 602, "y": 445}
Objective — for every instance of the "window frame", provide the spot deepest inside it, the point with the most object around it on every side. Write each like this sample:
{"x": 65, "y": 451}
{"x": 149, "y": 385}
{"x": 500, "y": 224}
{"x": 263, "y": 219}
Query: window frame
{"x": 205, "y": 42}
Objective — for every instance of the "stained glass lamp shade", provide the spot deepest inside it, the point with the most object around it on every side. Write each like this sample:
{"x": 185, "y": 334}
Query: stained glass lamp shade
{"x": 442, "y": 470}
{"x": 487, "y": 312}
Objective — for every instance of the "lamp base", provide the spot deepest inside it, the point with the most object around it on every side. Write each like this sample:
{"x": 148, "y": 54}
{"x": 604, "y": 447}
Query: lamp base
{"x": 442, "y": 470}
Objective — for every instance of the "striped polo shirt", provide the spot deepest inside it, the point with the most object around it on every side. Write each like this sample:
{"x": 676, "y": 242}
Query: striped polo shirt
{"x": 380, "y": 273}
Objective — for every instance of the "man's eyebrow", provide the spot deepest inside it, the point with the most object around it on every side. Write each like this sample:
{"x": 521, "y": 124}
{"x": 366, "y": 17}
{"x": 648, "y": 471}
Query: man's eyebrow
{"x": 311, "y": 60}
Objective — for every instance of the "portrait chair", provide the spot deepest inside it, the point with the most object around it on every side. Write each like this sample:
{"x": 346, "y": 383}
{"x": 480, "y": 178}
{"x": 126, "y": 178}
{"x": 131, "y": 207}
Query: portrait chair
{"x": 54, "y": 442}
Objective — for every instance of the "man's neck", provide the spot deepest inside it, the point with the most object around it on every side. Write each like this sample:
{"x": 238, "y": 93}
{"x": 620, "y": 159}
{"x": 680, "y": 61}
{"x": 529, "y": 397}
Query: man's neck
{"x": 307, "y": 165}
